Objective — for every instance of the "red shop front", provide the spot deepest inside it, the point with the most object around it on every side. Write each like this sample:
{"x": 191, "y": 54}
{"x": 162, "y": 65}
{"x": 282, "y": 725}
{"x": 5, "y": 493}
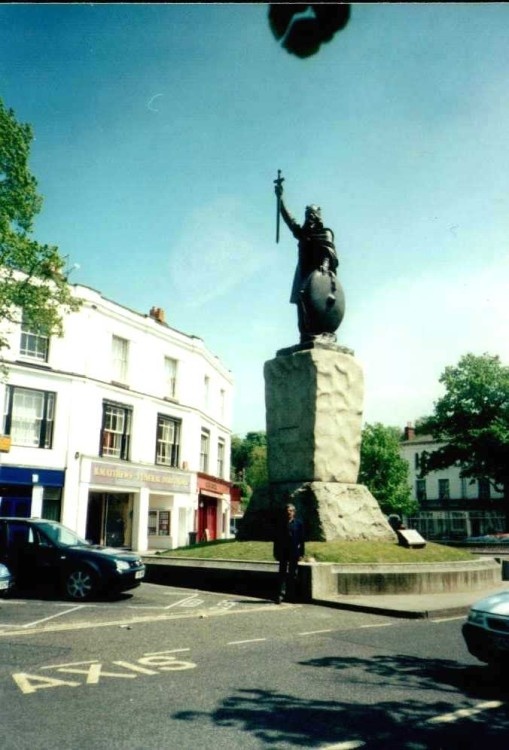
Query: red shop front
{"x": 213, "y": 494}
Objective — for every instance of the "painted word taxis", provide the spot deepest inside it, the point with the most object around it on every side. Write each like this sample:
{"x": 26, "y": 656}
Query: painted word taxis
{"x": 92, "y": 672}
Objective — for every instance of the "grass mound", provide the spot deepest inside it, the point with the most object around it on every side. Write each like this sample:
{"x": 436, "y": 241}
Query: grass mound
{"x": 332, "y": 552}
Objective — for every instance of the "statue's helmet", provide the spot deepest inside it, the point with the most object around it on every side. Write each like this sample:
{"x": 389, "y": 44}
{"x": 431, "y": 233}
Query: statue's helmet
{"x": 314, "y": 211}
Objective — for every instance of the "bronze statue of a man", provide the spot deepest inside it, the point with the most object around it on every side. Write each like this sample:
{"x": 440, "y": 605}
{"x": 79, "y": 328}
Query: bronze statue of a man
{"x": 315, "y": 290}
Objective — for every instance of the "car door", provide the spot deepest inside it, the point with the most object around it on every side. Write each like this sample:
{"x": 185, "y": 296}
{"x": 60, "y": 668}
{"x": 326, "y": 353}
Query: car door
{"x": 32, "y": 557}
{"x": 14, "y": 538}
{"x": 4, "y": 554}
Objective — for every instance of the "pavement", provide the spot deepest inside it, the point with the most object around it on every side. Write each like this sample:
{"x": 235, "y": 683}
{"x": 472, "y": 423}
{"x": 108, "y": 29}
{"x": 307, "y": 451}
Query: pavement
{"x": 433, "y": 606}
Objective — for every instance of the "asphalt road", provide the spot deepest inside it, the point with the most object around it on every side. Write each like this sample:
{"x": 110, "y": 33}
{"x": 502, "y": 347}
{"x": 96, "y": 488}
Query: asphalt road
{"x": 166, "y": 668}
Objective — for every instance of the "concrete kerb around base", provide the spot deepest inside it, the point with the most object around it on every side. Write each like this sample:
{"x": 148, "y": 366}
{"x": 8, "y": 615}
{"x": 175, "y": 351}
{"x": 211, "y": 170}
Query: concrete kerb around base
{"x": 322, "y": 582}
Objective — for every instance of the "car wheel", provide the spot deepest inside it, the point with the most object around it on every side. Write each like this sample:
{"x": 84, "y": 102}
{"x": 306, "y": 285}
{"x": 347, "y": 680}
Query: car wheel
{"x": 80, "y": 584}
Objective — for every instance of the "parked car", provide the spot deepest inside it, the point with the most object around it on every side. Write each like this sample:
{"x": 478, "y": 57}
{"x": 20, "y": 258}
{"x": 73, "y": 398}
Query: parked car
{"x": 38, "y": 551}
{"x": 5, "y": 580}
{"x": 487, "y": 539}
{"x": 486, "y": 631}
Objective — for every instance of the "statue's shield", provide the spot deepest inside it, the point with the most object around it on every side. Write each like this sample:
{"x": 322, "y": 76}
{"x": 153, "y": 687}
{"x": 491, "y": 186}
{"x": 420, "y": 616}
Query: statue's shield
{"x": 324, "y": 302}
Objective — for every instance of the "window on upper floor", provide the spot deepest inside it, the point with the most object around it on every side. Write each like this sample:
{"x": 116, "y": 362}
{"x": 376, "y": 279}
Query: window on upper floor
{"x": 119, "y": 359}
{"x": 222, "y": 403}
{"x": 464, "y": 488}
{"x": 204, "y": 450}
{"x": 220, "y": 457}
{"x": 420, "y": 490}
{"x": 443, "y": 489}
{"x": 170, "y": 376}
{"x": 34, "y": 342}
{"x": 484, "y": 489}
{"x": 167, "y": 441}
{"x": 29, "y": 416}
{"x": 116, "y": 430}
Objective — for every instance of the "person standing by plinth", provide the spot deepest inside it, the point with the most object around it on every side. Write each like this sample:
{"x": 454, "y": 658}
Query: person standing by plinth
{"x": 288, "y": 550}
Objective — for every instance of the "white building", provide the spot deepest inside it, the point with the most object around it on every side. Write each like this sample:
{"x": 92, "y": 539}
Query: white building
{"x": 449, "y": 506}
{"x": 120, "y": 429}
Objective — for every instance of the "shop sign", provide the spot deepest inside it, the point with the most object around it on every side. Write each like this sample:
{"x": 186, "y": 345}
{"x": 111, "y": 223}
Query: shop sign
{"x": 5, "y": 443}
{"x": 139, "y": 476}
{"x": 213, "y": 485}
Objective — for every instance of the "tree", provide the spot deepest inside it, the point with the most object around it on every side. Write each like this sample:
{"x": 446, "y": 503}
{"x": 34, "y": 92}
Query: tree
{"x": 383, "y": 471}
{"x": 249, "y": 462}
{"x": 257, "y": 472}
{"x": 239, "y": 458}
{"x": 245, "y": 452}
{"x": 472, "y": 420}
{"x": 32, "y": 276}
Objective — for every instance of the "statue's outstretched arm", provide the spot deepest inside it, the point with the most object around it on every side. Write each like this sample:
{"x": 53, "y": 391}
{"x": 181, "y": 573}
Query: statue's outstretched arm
{"x": 291, "y": 223}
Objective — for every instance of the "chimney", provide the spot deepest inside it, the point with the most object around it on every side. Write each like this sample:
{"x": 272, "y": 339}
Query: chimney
{"x": 409, "y": 431}
{"x": 157, "y": 313}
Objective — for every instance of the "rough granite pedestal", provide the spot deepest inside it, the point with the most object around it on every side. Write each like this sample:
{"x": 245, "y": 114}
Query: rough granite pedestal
{"x": 313, "y": 401}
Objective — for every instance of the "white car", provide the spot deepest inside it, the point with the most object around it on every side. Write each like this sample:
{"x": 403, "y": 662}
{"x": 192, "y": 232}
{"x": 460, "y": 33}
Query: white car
{"x": 486, "y": 631}
{"x": 5, "y": 580}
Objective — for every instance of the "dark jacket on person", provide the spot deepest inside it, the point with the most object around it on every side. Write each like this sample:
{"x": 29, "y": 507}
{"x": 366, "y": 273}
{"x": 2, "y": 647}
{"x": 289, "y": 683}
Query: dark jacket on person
{"x": 289, "y": 540}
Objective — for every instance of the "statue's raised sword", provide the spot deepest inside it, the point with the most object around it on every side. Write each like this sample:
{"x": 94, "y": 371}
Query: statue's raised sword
{"x": 279, "y": 182}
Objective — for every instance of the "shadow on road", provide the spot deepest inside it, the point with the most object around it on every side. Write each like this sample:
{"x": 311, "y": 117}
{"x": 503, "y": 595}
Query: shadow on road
{"x": 279, "y": 719}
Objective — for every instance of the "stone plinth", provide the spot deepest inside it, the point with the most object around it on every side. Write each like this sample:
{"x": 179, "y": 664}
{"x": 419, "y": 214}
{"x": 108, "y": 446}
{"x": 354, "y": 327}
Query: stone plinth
{"x": 313, "y": 401}
{"x": 335, "y": 510}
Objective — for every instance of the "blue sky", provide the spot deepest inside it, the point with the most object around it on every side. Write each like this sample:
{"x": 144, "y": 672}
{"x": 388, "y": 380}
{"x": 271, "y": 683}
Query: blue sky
{"x": 160, "y": 128}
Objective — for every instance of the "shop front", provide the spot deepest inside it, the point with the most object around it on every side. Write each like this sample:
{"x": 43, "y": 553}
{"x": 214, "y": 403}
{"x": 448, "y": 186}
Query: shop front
{"x": 31, "y": 492}
{"x": 138, "y": 507}
{"x": 109, "y": 519}
{"x": 213, "y": 508}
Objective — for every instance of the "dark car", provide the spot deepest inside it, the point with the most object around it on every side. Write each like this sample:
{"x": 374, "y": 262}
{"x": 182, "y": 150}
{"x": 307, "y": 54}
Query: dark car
{"x": 38, "y": 551}
{"x": 5, "y": 580}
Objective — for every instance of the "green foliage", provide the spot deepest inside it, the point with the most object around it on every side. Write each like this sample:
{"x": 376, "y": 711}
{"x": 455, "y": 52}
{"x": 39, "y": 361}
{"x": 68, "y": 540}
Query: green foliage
{"x": 239, "y": 458}
{"x": 383, "y": 471}
{"x": 257, "y": 473}
{"x": 32, "y": 276}
{"x": 249, "y": 459}
{"x": 472, "y": 420}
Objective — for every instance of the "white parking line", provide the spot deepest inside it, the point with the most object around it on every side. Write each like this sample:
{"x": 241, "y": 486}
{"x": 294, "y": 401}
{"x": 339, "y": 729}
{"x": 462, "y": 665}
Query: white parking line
{"x": 187, "y": 601}
{"x": 16, "y": 630}
{"x": 347, "y": 745}
{"x": 167, "y": 651}
{"x": 52, "y": 617}
{"x": 316, "y": 632}
{"x": 250, "y": 640}
{"x": 463, "y": 713}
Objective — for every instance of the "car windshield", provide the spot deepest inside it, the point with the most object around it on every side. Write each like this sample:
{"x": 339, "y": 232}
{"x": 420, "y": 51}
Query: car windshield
{"x": 62, "y": 535}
